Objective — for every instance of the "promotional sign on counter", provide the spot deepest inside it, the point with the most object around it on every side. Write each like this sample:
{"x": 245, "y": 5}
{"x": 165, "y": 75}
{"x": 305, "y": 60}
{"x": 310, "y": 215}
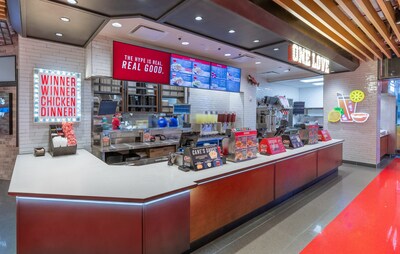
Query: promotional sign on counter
{"x": 324, "y": 135}
{"x": 140, "y": 64}
{"x": 204, "y": 157}
{"x": 272, "y": 146}
{"x": 242, "y": 145}
{"x": 292, "y": 141}
{"x": 309, "y": 135}
{"x": 57, "y": 96}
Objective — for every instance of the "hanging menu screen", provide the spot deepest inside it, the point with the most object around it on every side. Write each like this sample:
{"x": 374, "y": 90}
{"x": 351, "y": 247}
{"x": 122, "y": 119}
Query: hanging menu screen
{"x": 218, "y": 77}
{"x": 233, "y": 79}
{"x": 189, "y": 72}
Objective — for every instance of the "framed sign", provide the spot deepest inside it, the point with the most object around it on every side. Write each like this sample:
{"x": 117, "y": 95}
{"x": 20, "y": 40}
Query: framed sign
{"x": 134, "y": 63}
{"x": 56, "y": 96}
{"x": 5, "y": 113}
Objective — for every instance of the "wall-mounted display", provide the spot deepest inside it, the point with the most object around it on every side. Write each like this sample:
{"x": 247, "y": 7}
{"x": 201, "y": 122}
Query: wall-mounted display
{"x": 134, "y": 63}
{"x": 7, "y": 70}
{"x": 218, "y": 76}
{"x": 56, "y": 96}
{"x": 5, "y": 113}
{"x": 233, "y": 76}
{"x": 189, "y": 72}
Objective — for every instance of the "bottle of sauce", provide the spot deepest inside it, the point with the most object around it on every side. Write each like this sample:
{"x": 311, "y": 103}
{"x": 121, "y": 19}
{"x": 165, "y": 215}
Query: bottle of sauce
{"x": 229, "y": 118}
{"x": 233, "y": 117}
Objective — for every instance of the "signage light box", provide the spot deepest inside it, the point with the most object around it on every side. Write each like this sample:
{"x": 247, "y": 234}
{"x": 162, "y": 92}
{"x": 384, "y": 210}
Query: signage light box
{"x": 57, "y": 96}
{"x": 308, "y": 58}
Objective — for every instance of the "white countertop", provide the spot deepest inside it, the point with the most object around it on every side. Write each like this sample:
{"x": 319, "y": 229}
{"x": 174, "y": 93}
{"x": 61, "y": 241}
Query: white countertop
{"x": 84, "y": 176}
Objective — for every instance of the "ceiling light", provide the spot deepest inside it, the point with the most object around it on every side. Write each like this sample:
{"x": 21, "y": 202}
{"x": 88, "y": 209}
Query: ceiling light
{"x": 312, "y": 80}
{"x": 198, "y": 18}
{"x": 72, "y": 1}
{"x": 318, "y": 84}
{"x": 231, "y": 31}
{"x": 185, "y": 43}
{"x": 116, "y": 24}
{"x": 256, "y": 41}
{"x": 276, "y": 49}
{"x": 65, "y": 19}
{"x": 258, "y": 63}
{"x": 227, "y": 54}
{"x": 287, "y": 70}
{"x": 59, "y": 34}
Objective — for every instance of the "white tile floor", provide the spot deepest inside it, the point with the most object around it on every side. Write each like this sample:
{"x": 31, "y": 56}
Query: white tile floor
{"x": 286, "y": 228}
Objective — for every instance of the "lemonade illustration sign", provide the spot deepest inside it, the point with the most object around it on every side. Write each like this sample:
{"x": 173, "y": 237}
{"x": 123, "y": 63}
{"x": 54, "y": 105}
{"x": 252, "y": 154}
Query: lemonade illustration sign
{"x": 346, "y": 111}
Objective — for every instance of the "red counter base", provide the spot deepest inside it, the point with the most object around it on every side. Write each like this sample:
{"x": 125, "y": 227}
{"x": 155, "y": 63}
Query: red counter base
{"x": 70, "y": 226}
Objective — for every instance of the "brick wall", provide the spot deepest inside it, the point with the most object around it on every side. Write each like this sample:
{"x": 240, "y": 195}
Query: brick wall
{"x": 99, "y": 54}
{"x": 8, "y": 143}
{"x": 361, "y": 140}
{"x": 49, "y": 55}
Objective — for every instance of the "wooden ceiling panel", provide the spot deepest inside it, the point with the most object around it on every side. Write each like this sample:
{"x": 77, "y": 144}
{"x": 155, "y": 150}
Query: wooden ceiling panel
{"x": 333, "y": 10}
{"x": 377, "y": 22}
{"x": 366, "y": 29}
{"x": 297, "y": 11}
{"x": 3, "y": 9}
{"x": 318, "y": 13}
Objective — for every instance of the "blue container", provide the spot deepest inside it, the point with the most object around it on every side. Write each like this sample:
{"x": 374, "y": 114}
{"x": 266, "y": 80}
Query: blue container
{"x": 173, "y": 122}
{"x": 162, "y": 122}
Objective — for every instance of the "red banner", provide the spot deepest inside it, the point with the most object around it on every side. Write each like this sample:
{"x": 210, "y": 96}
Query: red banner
{"x": 140, "y": 64}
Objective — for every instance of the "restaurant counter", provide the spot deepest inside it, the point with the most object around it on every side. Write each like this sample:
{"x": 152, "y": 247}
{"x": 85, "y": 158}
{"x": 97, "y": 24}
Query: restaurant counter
{"x": 83, "y": 205}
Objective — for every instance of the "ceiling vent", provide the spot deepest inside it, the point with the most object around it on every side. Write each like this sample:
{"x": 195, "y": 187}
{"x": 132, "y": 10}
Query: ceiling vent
{"x": 147, "y": 33}
{"x": 242, "y": 58}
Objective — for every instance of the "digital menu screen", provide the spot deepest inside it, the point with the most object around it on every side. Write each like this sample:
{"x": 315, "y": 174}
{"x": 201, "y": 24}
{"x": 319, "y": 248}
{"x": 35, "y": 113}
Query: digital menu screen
{"x": 189, "y": 72}
{"x": 233, "y": 79}
{"x": 218, "y": 77}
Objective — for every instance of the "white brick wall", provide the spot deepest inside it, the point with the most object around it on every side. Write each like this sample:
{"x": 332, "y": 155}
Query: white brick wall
{"x": 361, "y": 140}
{"x": 49, "y": 55}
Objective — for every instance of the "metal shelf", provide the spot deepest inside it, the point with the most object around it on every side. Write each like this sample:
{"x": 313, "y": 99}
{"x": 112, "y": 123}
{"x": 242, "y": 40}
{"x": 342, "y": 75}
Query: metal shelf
{"x": 109, "y": 93}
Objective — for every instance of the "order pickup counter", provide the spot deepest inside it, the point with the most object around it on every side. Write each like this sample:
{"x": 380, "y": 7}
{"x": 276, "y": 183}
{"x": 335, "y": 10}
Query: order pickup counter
{"x": 79, "y": 204}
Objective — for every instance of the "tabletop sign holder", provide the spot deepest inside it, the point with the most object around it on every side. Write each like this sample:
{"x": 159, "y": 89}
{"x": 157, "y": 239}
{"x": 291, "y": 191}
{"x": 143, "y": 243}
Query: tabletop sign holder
{"x": 242, "y": 145}
{"x": 54, "y": 131}
{"x": 309, "y": 135}
{"x": 199, "y": 158}
{"x": 271, "y": 146}
{"x": 324, "y": 135}
{"x": 293, "y": 140}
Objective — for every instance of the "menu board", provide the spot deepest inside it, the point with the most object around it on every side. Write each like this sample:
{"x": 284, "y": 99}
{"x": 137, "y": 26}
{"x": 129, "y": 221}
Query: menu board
{"x": 218, "y": 77}
{"x": 189, "y": 72}
{"x": 272, "y": 146}
{"x": 233, "y": 79}
{"x": 200, "y": 158}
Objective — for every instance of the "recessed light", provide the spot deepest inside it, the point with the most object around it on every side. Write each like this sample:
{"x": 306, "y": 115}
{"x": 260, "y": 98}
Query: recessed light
{"x": 287, "y": 70}
{"x": 65, "y": 19}
{"x": 59, "y": 34}
{"x": 116, "y": 24}
{"x": 256, "y": 41}
{"x": 72, "y": 1}
{"x": 198, "y": 18}
{"x": 258, "y": 62}
{"x": 311, "y": 80}
{"x": 185, "y": 43}
{"x": 276, "y": 49}
{"x": 318, "y": 84}
{"x": 227, "y": 54}
{"x": 231, "y": 31}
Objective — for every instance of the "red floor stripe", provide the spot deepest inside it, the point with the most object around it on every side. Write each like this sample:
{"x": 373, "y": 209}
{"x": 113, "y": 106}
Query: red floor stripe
{"x": 370, "y": 223}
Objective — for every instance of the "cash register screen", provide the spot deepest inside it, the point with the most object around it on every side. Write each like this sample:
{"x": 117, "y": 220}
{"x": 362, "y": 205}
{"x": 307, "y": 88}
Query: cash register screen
{"x": 189, "y": 139}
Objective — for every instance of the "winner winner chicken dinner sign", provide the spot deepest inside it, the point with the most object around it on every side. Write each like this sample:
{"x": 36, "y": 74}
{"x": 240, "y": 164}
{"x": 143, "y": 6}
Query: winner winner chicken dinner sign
{"x": 140, "y": 64}
{"x": 57, "y": 96}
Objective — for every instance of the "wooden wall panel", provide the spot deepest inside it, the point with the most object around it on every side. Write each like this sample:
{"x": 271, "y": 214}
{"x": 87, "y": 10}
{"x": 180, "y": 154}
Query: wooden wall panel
{"x": 329, "y": 158}
{"x": 384, "y": 146}
{"x": 218, "y": 203}
{"x": 294, "y": 173}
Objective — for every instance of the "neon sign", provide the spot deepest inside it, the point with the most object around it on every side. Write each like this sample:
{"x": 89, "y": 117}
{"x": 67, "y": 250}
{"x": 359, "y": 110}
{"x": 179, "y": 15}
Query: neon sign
{"x": 57, "y": 96}
{"x": 307, "y": 58}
